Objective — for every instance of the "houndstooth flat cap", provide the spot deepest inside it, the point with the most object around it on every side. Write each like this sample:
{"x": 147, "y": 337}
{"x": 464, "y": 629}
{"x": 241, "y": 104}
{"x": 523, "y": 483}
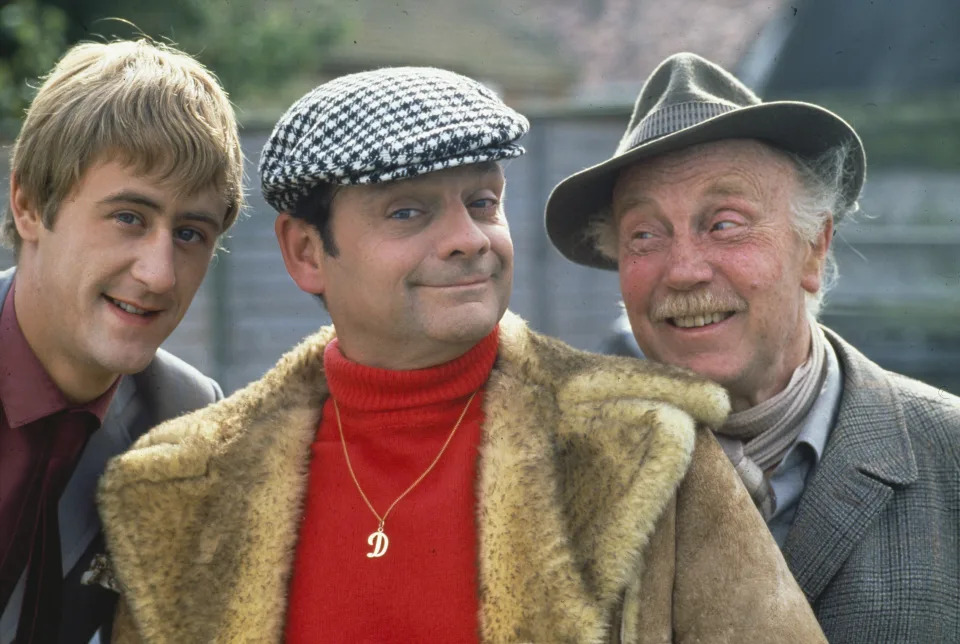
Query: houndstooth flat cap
{"x": 384, "y": 125}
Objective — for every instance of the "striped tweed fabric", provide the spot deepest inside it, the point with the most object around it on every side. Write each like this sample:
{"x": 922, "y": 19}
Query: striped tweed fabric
{"x": 673, "y": 118}
{"x": 876, "y": 541}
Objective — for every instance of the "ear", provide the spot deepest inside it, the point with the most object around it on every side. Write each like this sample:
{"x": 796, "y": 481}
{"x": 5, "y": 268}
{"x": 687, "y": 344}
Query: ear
{"x": 26, "y": 216}
{"x": 302, "y": 251}
{"x": 816, "y": 259}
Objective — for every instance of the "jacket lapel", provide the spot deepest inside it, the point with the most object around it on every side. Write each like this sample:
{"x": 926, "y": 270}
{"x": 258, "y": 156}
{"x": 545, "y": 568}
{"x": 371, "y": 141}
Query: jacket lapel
{"x": 867, "y": 457}
{"x": 578, "y": 462}
{"x": 523, "y": 540}
{"x": 204, "y": 511}
{"x": 77, "y": 510}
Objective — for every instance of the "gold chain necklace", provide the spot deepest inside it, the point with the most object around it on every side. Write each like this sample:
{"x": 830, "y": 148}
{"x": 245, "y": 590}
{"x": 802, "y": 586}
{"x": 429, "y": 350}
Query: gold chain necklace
{"x": 379, "y": 539}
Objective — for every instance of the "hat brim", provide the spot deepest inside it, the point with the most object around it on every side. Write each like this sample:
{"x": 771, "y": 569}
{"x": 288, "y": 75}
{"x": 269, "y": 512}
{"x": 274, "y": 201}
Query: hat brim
{"x": 802, "y": 128}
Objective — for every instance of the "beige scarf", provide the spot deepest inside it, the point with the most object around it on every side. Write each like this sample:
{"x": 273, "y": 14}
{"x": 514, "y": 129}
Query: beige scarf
{"x": 756, "y": 439}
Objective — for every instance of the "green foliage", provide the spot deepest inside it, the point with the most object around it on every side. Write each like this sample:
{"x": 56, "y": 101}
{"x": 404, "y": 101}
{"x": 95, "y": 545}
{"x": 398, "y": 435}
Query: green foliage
{"x": 254, "y": 46}
{"x": 32, "y": 37}
{"x": 920, "y": 130}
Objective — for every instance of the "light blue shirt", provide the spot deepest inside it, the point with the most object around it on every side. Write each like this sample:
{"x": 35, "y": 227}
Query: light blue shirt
{"x": 790, "y": 477}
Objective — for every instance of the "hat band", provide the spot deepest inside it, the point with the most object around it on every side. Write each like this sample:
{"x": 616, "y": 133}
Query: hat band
{"x": 672, "y": 118}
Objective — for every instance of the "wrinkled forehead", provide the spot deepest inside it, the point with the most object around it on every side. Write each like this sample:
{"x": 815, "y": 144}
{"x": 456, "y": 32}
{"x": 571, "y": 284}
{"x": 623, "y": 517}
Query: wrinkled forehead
{"x": 732, "y": 166}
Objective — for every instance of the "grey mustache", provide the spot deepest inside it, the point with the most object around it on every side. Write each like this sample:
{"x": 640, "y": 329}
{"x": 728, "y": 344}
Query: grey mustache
{"x": 677, "y": 305}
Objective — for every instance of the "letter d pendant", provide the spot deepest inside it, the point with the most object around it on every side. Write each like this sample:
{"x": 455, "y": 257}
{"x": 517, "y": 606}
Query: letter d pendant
{"x": 379, "y": 541}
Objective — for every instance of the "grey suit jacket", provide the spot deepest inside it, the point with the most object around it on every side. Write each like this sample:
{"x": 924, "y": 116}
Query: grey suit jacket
{"x": 167, "y": 388}
{"x": 875, "y": 544}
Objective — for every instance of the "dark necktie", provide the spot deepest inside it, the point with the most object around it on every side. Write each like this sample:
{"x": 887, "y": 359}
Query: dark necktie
{"x": 40, "y": 612}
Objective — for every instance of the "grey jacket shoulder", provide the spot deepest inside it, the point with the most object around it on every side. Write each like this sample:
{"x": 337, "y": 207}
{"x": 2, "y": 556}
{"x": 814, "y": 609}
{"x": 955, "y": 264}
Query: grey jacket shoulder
{"x": 930, "y": 416}
{"x": 168, "y": 370}
{"x": 939, "y": 410}
{"x": 170, "y": 387}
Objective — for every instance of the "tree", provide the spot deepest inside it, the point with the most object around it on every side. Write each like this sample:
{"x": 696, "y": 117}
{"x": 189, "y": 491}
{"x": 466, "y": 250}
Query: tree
{"x": 32, "y": 37}
{"x": 254, "y": 46}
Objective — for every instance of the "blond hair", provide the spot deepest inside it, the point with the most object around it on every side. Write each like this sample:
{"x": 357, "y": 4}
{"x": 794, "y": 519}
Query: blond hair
{"x": 143, "y": 103}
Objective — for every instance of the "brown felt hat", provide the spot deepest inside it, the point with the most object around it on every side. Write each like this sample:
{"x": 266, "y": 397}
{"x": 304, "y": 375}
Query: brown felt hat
{"x": 686, "y": 101}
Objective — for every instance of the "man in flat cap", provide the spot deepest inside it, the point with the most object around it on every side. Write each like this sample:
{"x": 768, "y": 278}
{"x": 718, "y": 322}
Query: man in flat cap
{"x": 428, "y": 469}
{"x": 718, "y": 210}
{"x": 115, "y": 212}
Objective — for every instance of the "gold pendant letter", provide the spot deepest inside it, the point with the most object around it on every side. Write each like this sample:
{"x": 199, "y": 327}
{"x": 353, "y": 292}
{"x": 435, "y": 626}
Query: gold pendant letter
{"x": 379, "y": 542}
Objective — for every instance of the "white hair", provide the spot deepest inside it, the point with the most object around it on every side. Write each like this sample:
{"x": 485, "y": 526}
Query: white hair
{"x": 819, "y": 198}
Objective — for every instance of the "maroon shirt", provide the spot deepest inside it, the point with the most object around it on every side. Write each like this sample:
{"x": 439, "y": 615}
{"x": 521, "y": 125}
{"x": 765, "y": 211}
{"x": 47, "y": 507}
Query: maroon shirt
{"x": 42, "y": 435}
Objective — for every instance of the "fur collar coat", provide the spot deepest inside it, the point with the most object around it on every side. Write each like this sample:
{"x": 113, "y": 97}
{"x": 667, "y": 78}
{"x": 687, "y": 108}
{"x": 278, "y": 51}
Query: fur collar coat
{"x": 606, "y": 511}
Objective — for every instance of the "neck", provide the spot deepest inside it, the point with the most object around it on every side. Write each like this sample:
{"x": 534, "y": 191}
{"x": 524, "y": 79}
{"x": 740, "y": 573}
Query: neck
{"x": 402, "y": 358}
{"x": 763, "y": 387}
{"x": 769, "y": 428}
{"x": 360, "y": 387}
{"x": 78, "y": 383}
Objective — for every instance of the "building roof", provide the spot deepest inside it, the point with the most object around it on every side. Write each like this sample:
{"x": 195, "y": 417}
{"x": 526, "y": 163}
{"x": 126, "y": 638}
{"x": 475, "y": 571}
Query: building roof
{"x": 862, "y": 47}
{"x": 484, "y": 39}
{"x": 597, "y": 51}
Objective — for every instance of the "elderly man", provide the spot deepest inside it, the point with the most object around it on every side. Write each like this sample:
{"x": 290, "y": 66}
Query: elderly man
{"x": 718, "y": 210}
{"x": 126, "y": 171}
{"x": 428, "y": 469}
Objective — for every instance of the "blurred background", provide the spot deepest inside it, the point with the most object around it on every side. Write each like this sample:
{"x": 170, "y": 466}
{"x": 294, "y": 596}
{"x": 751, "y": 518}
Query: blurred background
{"x": 574, "y": 67}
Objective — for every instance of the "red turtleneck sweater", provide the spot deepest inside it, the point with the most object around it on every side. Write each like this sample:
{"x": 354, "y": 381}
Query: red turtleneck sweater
{"x": 424, "y": 589}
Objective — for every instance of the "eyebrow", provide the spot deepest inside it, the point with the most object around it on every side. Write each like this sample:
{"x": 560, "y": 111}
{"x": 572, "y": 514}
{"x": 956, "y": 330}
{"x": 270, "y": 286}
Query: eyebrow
{"x": 728, "y": 187}
{"x": 203, "y": 217}
{"x": 129, "y": 196}
{"x": 486, "y": 167}
{"x": 629, "y": 203}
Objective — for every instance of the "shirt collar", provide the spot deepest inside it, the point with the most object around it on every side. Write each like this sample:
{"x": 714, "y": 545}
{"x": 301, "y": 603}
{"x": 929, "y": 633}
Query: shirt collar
{"x": 27, "y": 393}
{"x": 816, "y": 426}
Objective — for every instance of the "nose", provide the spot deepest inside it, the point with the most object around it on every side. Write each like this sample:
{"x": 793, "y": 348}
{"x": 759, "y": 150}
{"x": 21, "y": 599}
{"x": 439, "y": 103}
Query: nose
{"x": 461, "y": 234}
{"x": 154, "y": 266}
{"x": 688, "y": 266}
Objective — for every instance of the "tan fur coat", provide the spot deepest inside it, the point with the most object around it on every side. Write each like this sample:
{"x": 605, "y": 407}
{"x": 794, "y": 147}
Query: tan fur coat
{"x": 604, "y": 514}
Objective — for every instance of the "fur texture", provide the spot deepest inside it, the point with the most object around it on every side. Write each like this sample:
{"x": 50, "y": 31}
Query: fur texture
{"x": 580, "y": 464}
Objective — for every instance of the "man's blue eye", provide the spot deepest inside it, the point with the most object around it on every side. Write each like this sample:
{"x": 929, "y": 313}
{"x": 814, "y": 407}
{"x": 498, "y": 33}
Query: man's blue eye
{"x": 188, "y": 235}
{"x": 403, "y": 213}
{"x": 126, "y": 217}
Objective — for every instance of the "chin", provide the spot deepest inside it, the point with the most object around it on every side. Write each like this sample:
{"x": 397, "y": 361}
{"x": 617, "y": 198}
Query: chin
{"x": 723, "y": 376}
{"x": 718, "y": 368}
{"x": 473, "y": 333}
{"x": 468, "y": 331}
{"x": 128, "y": 362}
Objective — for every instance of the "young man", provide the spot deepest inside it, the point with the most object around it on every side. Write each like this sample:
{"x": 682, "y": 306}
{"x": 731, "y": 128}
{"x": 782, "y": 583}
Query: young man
{"x": 718, "y": 210}
{"x": 126, "y": 171}
{"x": 428, "y": 469}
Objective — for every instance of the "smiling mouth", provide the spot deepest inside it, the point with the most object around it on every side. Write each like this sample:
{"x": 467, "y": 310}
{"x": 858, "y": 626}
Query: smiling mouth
{"x": 697, "y": 321}
{"x": 464, "y": 283}
{"x": 130, "y": 308}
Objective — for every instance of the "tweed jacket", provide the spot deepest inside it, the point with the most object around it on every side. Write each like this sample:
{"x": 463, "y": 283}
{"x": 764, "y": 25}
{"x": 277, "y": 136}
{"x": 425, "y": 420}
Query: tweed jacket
{"x": 875, "y": 544}
{"x": 167, "y": 388}
{"x": 605, "y": 514}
